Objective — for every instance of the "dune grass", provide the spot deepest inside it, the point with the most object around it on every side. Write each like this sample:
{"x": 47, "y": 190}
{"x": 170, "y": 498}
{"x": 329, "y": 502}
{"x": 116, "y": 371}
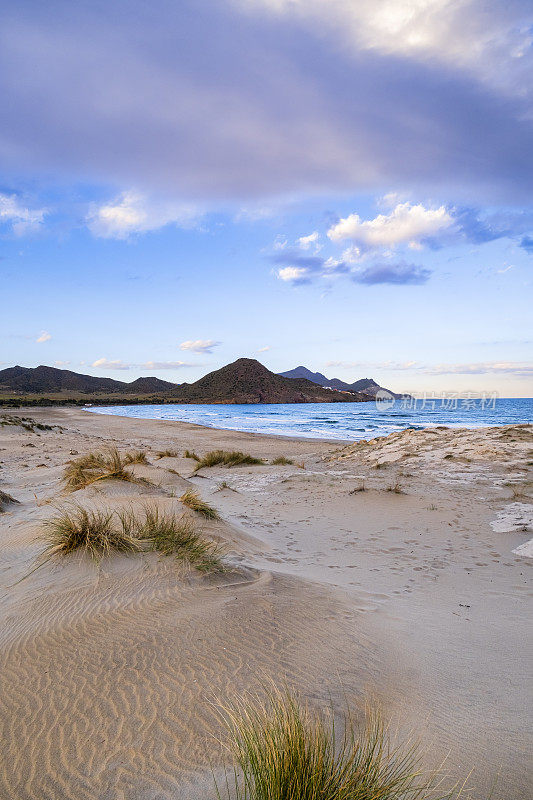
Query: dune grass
{"x": 92, "y": 532}
{"x": 285, "y": 751}
{"x": 396, "y": 488}
{"x": 167, "y": 454}
{"x": 173, "y": 535}
{"x": 5, "y": 500}
{"x": 281, "y": 461}
{"x": 136, "y": 457}
{"x": 98, "y": 466}
{"x": 192, "y": 500}
{"x": 191, "y": 454}
{"x": 227, "y": 458}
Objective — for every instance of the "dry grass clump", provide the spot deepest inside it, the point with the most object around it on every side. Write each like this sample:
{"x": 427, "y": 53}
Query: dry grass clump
{"x": 167, "y": 454}
{"x": 28, "y": 423}
{"x": 357, "y": 489}
{"x": 227, "y": 458}
{"x": 175, "y": 536}
{"x": 281, "y": 461}
{"x": 192, "y": 500}
{"x": 92, "y": 532}
{"x": 396, "y": 488}
{"x": 136, "y": 457}
{"x": 285, "y": 751}
{"x": 5, "y": 500}
{"x": 191, "y": 454}
{"x": 88, "y": 469}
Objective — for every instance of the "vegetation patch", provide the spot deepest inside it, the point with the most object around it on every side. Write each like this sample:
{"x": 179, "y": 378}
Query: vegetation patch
{"x": 173, "y": 535}
{"x": 226, "y": 458}
{"x": 283, "y": 749}
{"x": 28, "y": 423}
{"x": 192, "y": 500}
{"x": 281, "y": 461}
{"x": 191, "y": 454}
{"x": 167, "y": 454}
{"x": 6, "y": 500}
{"x": 76, "y": 529}
{"x": 136, "y": 457}
{"x": 88, "y": 469}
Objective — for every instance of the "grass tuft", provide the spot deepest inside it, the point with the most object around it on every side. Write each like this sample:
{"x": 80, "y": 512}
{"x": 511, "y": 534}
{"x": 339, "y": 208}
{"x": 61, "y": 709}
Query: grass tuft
{"x": 76, "y": 529}
{"x": 191, "y": 454}
{"x": 167, "y": 454}
{"x": 88, "y": 469}
{"x": 136, "y": 457}
{"x": 192, "y": 500}
{"x": 175, "y": 536}
{"x": 285, "y": 751}
{"x": 5, "y": 500}
{"x": 281, "y": 461}
{"x": 396, "y": 488}
{"x": 227, "y": 458}
{"x": 357, "y": 489}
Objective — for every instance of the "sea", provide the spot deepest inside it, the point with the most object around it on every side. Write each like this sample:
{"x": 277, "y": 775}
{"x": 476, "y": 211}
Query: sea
{"x": 340, "y": 421}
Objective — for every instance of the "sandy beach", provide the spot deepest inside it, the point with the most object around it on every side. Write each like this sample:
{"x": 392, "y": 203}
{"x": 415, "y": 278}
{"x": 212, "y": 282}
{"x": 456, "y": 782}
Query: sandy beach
{"x": 397, "y": 569}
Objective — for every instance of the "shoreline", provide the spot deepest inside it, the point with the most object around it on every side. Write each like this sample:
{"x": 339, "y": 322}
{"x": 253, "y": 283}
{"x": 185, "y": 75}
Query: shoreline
{"x": 363, "y": 568}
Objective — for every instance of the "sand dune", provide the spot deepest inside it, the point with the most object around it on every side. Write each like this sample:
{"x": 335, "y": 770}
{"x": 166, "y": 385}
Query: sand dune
{"x": 109, "y": 673}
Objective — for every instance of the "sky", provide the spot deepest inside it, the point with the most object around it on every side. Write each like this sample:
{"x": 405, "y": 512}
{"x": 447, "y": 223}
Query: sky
{"x": 343, "y": 185}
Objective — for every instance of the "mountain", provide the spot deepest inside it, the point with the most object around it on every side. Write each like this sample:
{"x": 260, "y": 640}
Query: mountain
{"x": 366, "y": 385}
{"x": 248, "y": 381}
{"x": 43, "y": 380}
{"x": 243, "y": 381}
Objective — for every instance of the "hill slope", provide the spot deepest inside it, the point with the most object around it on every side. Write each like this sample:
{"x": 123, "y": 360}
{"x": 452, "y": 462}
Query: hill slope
{"x": 248, "y": 381}
{"x": 43, "y": 380}
{"x": 366, "y": 385}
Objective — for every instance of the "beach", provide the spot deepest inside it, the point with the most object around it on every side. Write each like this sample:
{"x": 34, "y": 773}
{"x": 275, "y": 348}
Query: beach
{"x": 395, "y": 569}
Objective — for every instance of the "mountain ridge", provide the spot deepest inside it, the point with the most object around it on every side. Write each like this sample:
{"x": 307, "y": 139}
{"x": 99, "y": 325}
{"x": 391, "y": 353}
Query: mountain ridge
{"x": 245, "y": 380}
{"x": 366, "y": 385}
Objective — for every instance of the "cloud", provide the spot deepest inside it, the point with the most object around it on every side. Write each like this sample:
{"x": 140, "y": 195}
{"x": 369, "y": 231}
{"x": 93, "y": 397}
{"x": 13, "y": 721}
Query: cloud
{"x": 21, "y": 219}
{"x": 199, "y": 345}
{"x": 263, "y": 349}
{"x": 389, "y": 365}
{"x": 134, "y": 213}
{"x": 397, "y": 274}
{"x": 406, "y": 223}
{"x": 491, "y": 42}
{"x": 61, "y": 364}
{"x": 306, "y": 242}
{"x": 339, "y": 96}
{"x": 44, "y": 336}
{"x": 520, "y": 369}
{"x": 106, "y": 363}
{"x": 165, "y": 364}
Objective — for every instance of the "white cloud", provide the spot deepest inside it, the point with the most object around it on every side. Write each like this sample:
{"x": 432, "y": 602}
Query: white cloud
{"x": 263, "y": 349}
{"x": 165, "y": 364}
{"x": 106, "y": 363}
{"x": 199, "y": 345}
{"x": 44, "y": 336}
{"x": 133, "y": 213}
{"x": 406, "y": 223}
{"x": 294, "y": 274}
{"x": 21, "y": 218}
{"x": 306, "y": 242}
{"x": 61, "y": 363}
{"x": 391, "y": 365}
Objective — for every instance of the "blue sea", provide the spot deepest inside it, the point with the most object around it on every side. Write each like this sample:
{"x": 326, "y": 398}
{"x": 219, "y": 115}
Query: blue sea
{"x": 342, "y": 421}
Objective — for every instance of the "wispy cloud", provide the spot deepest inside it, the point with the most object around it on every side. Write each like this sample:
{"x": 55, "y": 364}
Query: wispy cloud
{"x": 106, "y": 363}
{"x": 18, "y": 216}
{"x": 134, "y": 213}
{"x": 44, "y": 336}
{"x": 263, "y": 349}
{"x": 199, "y": 345}
{"x": 518, "y": 368}
{"x": 400, "y": 274}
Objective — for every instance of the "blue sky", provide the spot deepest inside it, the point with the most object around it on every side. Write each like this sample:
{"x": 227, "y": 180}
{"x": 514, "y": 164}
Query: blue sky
{"x": 342, "y": 185}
